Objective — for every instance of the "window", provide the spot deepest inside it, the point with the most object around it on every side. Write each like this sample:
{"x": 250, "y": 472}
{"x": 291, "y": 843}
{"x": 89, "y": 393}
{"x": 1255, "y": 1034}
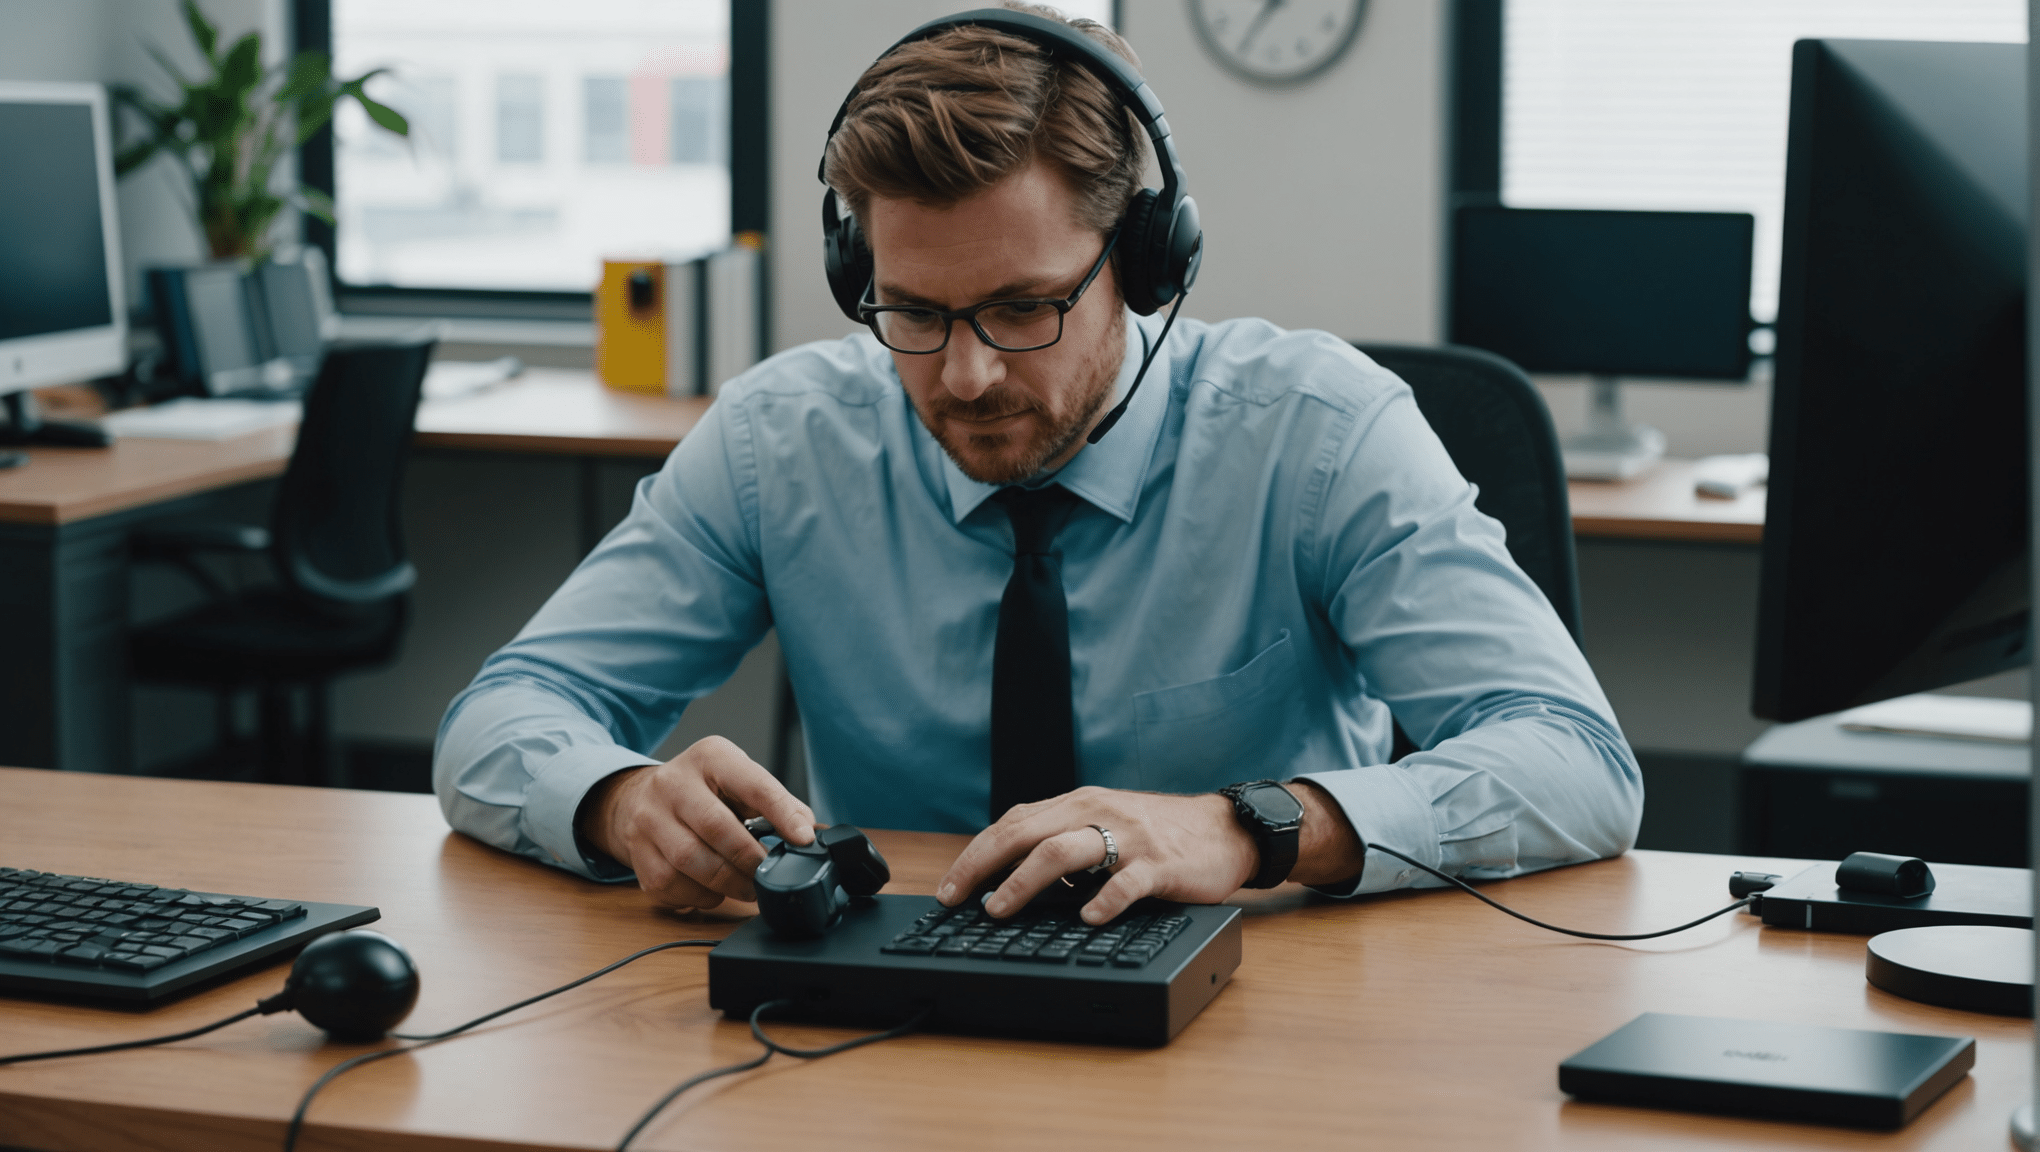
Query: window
{"x": 1683, "y": 104}
{"x": 605, "y": 138}
{"x": 520, "y": 119}
{"x": 699, "y": 114}
{"x": 546, "y": 137}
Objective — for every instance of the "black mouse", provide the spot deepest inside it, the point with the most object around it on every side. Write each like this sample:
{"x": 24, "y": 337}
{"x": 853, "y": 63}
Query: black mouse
{"x": 355, "y": 985}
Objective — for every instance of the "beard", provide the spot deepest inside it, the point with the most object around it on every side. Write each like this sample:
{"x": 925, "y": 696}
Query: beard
{"x": 999, "y": 459}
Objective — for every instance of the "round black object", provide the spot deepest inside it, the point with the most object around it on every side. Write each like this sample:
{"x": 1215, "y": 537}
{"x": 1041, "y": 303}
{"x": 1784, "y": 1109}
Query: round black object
{"x": 1906, "y": 877}
{"x": 355, "y": 985}
{"x": 1974, "y": 967}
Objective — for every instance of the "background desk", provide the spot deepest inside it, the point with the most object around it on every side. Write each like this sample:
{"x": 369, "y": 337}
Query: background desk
{"x": 65, "y": 519}
{"x": 1420, "y": 1020}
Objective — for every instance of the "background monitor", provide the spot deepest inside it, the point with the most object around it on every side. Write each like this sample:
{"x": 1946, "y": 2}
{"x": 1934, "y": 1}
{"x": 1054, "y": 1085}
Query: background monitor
{"x": 1895, "y": 545}
{"x": 63, "y": 312}
{"x": 1605, "y": 293}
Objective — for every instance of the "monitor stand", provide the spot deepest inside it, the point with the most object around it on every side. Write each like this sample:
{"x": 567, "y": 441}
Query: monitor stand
{"x": 26, "y": 426}
{"x": 1611, "y": 448}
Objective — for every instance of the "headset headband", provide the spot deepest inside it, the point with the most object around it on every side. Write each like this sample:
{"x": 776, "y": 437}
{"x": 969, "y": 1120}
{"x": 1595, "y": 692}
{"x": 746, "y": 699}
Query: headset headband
{"x": 1062, "y": 41}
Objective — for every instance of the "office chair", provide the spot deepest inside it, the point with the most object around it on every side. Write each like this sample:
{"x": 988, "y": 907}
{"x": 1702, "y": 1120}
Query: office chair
{"x": 1499, "y": 434}
{"x": 336, "y": 548}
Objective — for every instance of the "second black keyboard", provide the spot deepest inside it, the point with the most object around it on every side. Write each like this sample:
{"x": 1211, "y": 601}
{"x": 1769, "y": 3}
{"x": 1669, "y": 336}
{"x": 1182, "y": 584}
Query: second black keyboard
{"x": 94, "y": 936}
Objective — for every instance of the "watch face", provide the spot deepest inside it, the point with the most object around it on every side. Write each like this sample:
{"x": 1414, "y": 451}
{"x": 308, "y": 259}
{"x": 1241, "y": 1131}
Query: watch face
{"x": 1277, "y": 41}
{"x": 1274, "y": 804}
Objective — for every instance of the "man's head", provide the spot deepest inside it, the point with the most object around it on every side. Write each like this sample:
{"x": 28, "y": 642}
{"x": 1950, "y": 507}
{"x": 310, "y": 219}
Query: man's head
{"x": 980, "y": 167}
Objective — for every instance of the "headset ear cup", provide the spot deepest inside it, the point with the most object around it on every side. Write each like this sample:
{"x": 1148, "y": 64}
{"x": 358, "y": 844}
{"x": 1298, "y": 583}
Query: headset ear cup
{"x": 1185, "y": 248}
{"x": 846, "y": 258}
{"x": 1137, "y": 263}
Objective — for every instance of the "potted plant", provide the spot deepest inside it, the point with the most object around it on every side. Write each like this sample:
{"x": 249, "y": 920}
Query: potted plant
{"x": 231, "y": 127}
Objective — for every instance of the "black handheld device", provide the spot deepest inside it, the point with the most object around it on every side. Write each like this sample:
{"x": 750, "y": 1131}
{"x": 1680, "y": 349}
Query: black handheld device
{"x": 803, "y": 889}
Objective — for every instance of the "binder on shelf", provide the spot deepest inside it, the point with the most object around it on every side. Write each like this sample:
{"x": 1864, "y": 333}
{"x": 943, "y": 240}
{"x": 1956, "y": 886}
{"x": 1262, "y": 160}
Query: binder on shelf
{"x": 677, "y": 328}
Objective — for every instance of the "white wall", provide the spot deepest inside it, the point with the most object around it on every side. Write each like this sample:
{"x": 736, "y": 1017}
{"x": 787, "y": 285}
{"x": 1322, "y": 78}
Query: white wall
{"x": 1320, "y": 203}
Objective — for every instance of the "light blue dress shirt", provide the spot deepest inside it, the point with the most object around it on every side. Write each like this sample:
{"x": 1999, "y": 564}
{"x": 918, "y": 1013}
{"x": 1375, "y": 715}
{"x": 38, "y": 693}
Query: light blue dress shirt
{"x": 1274, "y": 556}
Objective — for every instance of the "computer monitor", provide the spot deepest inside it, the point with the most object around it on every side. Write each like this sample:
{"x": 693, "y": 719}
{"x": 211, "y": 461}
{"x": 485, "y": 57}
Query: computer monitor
{"x": 1609, "y": 295}
{"x": 63, "y": 310}
{"x": 1895, "y": 542}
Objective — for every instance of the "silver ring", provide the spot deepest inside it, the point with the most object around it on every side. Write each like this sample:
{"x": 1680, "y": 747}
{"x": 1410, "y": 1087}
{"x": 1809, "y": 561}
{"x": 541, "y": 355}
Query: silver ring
{"x": 1111, "y": 851}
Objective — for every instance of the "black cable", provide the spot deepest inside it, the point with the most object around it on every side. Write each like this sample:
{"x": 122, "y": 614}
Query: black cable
{"x": 212, "y": 1027}
{"x": 771, "y": 1046}
{"x": 1119, "y": 410}
{"x": 1492, "y": 903}
{"x": 297, "y": 1119}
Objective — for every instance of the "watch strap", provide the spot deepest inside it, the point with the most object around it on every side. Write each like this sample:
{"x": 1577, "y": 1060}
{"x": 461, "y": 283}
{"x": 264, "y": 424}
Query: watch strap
{"x": 1276, "y": 844}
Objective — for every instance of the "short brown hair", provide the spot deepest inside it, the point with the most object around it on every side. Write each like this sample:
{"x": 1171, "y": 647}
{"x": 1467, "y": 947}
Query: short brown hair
{"x": 941, "y": 119}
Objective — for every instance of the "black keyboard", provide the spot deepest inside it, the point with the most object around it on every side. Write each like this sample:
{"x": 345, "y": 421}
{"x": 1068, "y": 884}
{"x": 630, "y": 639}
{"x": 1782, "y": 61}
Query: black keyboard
{"x": 1138, "y": 979}
{"x": 89, "y": 936}
{"x": 1058, "y": 937}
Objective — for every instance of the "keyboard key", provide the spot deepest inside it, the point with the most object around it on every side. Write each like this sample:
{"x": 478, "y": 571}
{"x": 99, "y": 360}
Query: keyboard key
{"x": 132, "y": 961}
{"x": 911, "y": 946}
{"x": 80, "y": 954}
{"x": 953, "y": 946}
{"x": 18, "y": 947}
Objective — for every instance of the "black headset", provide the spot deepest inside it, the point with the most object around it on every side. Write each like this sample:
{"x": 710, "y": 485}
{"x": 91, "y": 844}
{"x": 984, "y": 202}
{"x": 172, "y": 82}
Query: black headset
{"x": 1160, "y": 241}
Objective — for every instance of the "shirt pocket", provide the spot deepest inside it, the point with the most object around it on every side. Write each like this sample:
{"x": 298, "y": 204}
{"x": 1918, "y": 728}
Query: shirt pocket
{"x": 1244, "y": 725}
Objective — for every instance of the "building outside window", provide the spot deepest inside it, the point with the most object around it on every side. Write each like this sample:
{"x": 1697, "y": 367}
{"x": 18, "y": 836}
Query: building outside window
{"x": 546, "y": 138}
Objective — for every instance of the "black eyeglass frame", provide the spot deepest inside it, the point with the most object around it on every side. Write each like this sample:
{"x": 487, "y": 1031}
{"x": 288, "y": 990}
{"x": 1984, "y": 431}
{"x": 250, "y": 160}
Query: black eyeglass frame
{"x": 1062, "y": 305}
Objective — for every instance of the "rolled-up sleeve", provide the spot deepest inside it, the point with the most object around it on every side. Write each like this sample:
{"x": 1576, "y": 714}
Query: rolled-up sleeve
{"x": 1521, "y": 765}
{"x": 659, "y": 615}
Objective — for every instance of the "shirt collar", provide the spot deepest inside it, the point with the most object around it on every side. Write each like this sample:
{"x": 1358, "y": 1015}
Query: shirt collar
{"x": 1109, "y": 473}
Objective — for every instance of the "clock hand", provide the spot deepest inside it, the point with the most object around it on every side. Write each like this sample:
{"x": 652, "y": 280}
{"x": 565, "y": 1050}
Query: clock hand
{"x": 1268, "y": 8}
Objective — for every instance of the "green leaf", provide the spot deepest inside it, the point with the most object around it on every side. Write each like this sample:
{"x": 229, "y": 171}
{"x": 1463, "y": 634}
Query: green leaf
{"x": 135, "y": 155}
{"x": 310, "y": 72}
{"x": 164, "y": 63}
{"x": 312, "y": 113}
{"x": 315, "y": 203}
{"x": 242, "y": 69}
{"x": 207, "y": 36}
{"x": 384, "y": 115}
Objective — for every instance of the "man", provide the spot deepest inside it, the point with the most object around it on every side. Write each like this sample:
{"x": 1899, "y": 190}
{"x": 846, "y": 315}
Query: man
{"x": 1267, "y": 562}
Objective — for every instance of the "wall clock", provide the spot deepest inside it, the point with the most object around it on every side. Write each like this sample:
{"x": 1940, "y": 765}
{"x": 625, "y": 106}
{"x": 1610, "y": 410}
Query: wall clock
{"x": 1277, "y": 41}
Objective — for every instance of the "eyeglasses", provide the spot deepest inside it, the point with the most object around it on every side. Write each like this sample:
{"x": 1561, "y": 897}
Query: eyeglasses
{"x": 1008, "y": 325}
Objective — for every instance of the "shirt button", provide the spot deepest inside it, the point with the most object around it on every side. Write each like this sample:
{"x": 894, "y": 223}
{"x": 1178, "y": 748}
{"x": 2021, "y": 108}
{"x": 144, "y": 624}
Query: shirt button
{"x": 1402, "y": 877}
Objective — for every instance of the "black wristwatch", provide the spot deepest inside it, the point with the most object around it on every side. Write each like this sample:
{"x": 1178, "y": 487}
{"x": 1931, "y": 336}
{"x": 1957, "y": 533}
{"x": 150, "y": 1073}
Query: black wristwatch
{"x": 1273, "y": 816}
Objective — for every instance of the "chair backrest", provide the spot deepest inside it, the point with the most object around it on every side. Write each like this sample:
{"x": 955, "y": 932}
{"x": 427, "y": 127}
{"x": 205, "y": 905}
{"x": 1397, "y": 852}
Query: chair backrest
{"x": 336, "y": 535}
{"x": 1497, "y": 430}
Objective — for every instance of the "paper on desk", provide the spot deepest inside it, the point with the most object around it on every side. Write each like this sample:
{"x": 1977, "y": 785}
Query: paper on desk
{"x": 1957, "y": 717}
{"x": 189, "y": 418}
{"x": 449, "y": 378}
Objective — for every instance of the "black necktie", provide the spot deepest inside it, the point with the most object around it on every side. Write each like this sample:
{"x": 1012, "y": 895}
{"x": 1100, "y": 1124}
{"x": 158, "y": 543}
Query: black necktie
{"x": 1034, "y": 744}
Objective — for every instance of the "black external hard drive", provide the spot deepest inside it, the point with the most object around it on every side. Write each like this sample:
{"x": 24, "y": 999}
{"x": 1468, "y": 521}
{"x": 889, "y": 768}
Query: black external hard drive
{"x": 1764, "y": 1068}
{"x": 1963, "y": 894}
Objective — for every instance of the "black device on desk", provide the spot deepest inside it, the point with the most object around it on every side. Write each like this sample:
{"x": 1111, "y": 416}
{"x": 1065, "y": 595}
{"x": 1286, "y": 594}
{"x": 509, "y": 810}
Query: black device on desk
{"x": 119, "y": 940}
{"x": 229, "y": 332}
{"x": 826, "y": 939}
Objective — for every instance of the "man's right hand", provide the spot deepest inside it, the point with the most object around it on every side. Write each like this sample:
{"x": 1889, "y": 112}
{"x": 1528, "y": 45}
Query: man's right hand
{"x": 680, "y": 825}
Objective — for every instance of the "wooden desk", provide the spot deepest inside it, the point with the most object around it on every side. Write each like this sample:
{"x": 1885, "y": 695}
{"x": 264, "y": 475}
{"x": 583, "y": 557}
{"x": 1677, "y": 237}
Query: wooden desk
{"x": 1661, "y": 505}
{"x": 1418, "y": 1020}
